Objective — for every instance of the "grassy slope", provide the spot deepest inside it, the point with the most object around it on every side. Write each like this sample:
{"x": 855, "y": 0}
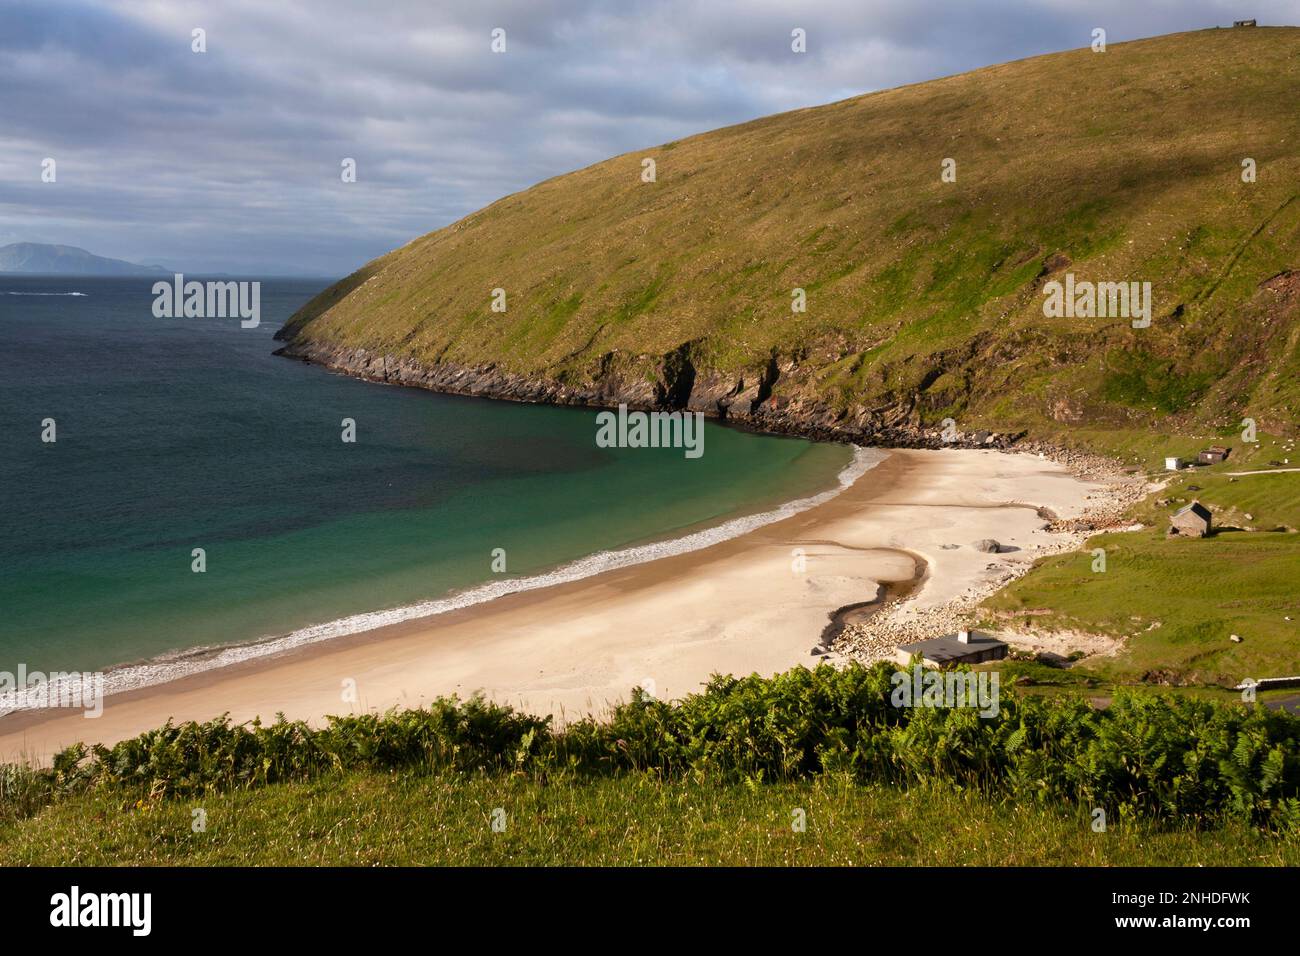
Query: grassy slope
{"x": 417, "y": 819}
{"x": 1200, "y": 591}
{"x": 923, "y": 296}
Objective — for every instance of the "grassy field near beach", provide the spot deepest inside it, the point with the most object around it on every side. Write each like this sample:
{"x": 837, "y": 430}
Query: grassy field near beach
{"x": 1176, "y": 602}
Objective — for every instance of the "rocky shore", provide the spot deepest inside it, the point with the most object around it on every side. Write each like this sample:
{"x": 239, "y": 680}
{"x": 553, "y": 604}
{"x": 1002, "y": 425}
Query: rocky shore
{"x": 748, "y": 401}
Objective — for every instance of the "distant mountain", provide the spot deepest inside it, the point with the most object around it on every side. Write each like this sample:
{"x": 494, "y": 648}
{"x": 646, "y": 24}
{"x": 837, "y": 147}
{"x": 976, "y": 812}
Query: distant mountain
{"x": 33, "y": 257}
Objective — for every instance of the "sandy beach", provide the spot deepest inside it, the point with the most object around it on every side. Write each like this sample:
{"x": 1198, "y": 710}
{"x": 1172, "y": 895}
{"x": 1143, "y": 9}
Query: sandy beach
{"x": 757, "y": 603}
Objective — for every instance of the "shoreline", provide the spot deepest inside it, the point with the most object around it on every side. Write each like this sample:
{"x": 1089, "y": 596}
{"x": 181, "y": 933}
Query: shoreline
{"x": 756, "y": 602}
{"x": 184, "y": 662}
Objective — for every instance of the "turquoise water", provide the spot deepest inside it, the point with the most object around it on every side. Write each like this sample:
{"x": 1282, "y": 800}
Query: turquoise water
{"x": 175, "y": 434}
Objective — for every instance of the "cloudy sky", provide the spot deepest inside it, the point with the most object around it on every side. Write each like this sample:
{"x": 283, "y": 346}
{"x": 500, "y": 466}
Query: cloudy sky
{"x": 229, "y": 160}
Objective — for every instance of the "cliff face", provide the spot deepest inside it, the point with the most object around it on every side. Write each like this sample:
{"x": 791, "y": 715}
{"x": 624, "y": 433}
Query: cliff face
{"x": 817, "y": 272}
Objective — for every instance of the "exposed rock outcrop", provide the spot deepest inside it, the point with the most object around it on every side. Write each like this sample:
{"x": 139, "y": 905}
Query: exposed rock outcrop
{"x": 748, "y": 400}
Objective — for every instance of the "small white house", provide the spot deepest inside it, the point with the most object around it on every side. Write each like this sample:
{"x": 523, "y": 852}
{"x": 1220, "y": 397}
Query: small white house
{"x": 1173, "y": 464}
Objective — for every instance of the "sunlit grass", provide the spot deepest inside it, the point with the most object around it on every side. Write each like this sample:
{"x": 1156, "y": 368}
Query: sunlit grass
{"x": 1176, "y": 602}
{"x": 412, "y": 819}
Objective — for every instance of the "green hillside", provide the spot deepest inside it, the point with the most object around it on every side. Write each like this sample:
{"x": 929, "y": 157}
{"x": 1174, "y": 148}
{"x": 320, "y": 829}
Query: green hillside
{"x": 924, "y": 297}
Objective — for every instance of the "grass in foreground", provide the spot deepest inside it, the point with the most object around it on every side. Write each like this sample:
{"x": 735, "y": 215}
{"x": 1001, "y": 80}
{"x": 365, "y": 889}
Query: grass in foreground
{"x": 446, "y": 819}
{"x": 1147, "y": 760}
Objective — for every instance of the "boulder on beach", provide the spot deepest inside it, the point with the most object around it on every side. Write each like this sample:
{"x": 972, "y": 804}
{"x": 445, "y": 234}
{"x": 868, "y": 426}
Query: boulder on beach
{"x": 987, "y": 545}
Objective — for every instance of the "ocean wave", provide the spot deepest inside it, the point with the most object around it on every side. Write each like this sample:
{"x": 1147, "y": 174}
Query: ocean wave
{"x": 45, "y": 293}
{"x": 183, "y": 663}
